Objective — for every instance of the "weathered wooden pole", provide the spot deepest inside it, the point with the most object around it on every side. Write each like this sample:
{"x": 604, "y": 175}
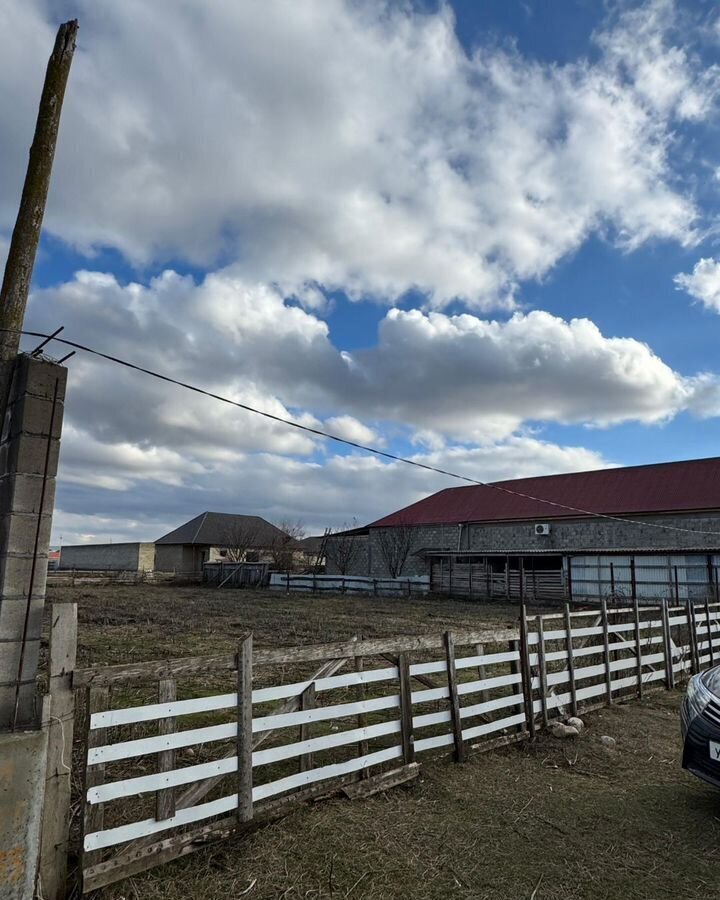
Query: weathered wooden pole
{"x": 26, "y": 234}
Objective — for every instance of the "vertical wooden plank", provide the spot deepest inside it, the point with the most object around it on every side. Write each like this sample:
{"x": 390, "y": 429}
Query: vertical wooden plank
{"x": 98, "y": 700}
{"x": 516, "y": 669}
{"x": 526, "y": 673}
{"x": 667, "y": 645}
{"x": 677, "y": 586}
{"x": 633, "y": 580}
{"x": 362, "y": 749}
{"x": 480, "y": 650}
{"x": 507, "y": 577}
{"x": 606, "y": 651}
{"x": 56, "y": 812}
{"x": 708, "y": 624}
{"x": 308, "y": 700}
{"x": 692, "y": 635}
{"x": 244, "y": 736}
{"x": 569, "y": 579}
{"x": 454, "y": 697}
{"x": 406, "y": 716}
{"x": 542, "y": 670}
{"x": 638, "y": 648}
{"x": 570, "y": 660}
{"x": 165, "y": 799}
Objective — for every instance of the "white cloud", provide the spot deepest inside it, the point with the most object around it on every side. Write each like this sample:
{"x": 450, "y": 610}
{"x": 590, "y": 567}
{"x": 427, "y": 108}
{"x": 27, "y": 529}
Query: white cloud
{"x": 276, "y": 487}
{"x": 352, "y": 146}
{"x": 458, "y": 377}
{"x": 703, "y": 283}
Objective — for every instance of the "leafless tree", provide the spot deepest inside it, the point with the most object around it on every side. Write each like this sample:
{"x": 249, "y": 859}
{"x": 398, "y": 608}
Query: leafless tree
{"x": 342, "y": 549}
{"x": 395, "y": 543}
{"x": 285, "y": 544}
{"x": 238, "y": 539}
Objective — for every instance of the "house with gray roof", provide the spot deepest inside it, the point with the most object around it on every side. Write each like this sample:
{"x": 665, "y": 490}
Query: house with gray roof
{"x": 214, "y": 536}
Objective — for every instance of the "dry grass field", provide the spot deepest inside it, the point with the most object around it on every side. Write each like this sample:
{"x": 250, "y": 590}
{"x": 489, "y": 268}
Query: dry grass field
{"x": 548, "y": 820}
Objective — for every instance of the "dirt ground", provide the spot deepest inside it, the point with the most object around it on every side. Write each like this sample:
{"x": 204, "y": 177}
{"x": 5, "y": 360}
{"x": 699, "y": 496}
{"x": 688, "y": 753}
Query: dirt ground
{"x": 543, "y": 820}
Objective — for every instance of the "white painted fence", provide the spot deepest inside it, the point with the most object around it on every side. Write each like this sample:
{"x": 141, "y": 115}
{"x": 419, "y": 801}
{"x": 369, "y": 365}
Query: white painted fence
{"x": 372, "y": 717}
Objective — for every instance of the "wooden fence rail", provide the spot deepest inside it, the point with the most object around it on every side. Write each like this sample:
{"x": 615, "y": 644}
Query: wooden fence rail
{"x": 169, "y": 766}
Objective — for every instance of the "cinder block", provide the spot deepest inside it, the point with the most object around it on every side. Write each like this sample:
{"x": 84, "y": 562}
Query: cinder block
{"x": 22, "y": 494}
{"x": 19, "y": 531}
{"x": 39, "y": 377}
{"x": 12, "y": 615}
{"x": 27, "y": 454}
{"x": 15, "y": 575}
{"x": 33, "y": 415}
{"x": 10, "y": 660}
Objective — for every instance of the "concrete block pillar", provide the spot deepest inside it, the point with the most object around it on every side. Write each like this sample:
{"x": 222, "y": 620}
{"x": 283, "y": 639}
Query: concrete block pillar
{"x": 29, "y": 450}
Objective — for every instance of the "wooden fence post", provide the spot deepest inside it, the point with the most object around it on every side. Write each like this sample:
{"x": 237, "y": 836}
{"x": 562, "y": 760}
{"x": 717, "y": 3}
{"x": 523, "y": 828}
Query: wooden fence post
{"x": 56, "y": 810}
{"x": 542, "y": 671}
{"x": 480, "y": 650}
{"x": 307, "y": 701}
{"x": 362, "y": 749}
{"x": 691, "y": 634}
{"x": 454, "y": 697}
{"x": 406, "y": 716}
{"x": 526, "y": 674}
{"x": 570, "y": 660}
{"x": 606, "y": 651}
{"x": 98, "y": 700}
{"x": 516, "y": 669}
{"x": 244, "y": 735}
{"x": 667, "y": 641}
{"x": 165, "y": 799}
{"x": 708, "y": 623}
{"x": 638, "y": 648}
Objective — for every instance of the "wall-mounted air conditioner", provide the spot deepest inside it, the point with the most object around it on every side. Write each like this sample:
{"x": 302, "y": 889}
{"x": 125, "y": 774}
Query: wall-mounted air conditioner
{"x": 542, "y": 529}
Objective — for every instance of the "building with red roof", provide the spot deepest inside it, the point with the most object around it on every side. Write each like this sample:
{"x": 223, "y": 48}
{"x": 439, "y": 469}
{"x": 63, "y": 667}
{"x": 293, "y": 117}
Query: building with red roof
{"x": 636, "y": 532}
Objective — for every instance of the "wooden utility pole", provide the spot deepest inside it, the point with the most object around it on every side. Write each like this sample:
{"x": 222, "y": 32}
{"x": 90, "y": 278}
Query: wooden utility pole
{"x": 26, "y": 234}
{"x": 28, "y": 444}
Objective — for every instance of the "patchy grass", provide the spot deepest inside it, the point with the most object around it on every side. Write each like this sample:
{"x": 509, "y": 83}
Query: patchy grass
{"x": 547, "y": 820}
{"x": 133, "y": 623}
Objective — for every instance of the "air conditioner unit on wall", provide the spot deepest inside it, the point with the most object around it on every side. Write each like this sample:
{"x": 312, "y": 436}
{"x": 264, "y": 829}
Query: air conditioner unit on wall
{"x": 542, "y": 529}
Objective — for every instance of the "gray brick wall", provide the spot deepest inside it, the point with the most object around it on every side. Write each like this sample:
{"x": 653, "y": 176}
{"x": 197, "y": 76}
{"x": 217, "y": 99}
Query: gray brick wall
{"x": 566, "y": 536}
{"x": 131, "y": 557}
{"x": 570, "y": 535}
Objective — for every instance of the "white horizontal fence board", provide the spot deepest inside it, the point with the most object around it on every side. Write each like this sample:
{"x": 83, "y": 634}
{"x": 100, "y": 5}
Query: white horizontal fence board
{"x": 261, "y": 791}
{"x": 99, "y": 839}
{"x": 490, "y": 727}
{"x": 324, "y": 742}
{"x": 479, "y": 709}
{"x": 323, "y": 713}
{"x": 130, "y": 787}
{"x": 155, "y": 711}
{"x": 487, "y": 659}
{"x": 436, "y": 718}
{"x": 433, "y": 743}
{"x": 158, "y": 743}
{"x": 428, "y": 668}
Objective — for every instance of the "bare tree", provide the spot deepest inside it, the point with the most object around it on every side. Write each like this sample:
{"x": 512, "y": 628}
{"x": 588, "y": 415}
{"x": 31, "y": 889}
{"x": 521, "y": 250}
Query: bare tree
{"x": 342, "y": 549}
{"x": 395, "y": 543}
{"x": 238, "y": 538}
{"x": 285, "y": 544}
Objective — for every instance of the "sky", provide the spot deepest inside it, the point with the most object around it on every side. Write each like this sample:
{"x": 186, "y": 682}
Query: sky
{"x": 480, "y": 235}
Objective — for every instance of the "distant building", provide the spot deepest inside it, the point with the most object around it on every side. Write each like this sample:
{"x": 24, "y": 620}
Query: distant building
{"x": 122, "y": 557}
{"x": 214, "y": 536}
{"x": 642, "y": 531}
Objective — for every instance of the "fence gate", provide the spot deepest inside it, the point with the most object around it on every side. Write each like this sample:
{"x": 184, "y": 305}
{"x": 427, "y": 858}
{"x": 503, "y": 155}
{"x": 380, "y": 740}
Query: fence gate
{"x": 181, "y": 752}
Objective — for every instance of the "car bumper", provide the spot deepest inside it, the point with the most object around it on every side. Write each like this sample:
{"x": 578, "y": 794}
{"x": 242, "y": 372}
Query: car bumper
{"x": 697, "y": 733}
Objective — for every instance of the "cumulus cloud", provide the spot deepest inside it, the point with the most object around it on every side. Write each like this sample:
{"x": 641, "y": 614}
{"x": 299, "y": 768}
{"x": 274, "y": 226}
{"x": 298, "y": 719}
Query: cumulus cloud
{"x": 277, "y": 487}
{"x": 335, "y": 145}
{"x": 703, "y": 283}
{"x": 457, "y": 377}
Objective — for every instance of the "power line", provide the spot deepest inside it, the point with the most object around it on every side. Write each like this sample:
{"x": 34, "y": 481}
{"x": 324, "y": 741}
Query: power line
{"x": 364, "y": 447}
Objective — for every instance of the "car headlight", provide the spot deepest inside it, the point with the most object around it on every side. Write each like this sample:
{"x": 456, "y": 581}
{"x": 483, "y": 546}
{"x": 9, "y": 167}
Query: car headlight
{"x": 697, "y": 696}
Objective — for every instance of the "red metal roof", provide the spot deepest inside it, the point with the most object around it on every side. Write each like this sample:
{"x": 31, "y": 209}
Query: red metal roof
{"x": 662, "y": 487}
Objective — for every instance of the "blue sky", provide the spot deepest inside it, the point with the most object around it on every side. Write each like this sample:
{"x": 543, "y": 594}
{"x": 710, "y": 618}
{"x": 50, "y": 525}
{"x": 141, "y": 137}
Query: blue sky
{"x": 480, "y": 234}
